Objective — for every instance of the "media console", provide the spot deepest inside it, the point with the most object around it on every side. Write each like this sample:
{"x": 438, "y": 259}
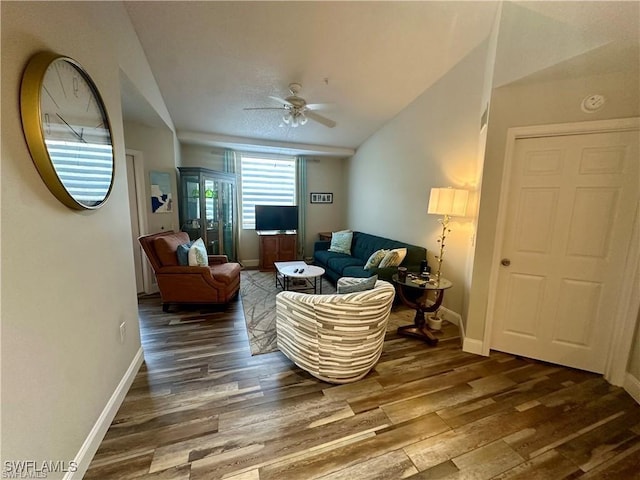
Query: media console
{"x": 275, "y": 246}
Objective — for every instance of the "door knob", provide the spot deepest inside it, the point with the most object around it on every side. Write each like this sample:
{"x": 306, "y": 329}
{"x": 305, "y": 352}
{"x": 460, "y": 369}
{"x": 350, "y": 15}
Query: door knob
{"x": 505, "y": 262}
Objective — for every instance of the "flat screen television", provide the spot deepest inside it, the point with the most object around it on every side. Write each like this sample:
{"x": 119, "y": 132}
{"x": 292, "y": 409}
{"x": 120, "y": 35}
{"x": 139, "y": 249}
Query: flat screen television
{"x": 276, "y": 217}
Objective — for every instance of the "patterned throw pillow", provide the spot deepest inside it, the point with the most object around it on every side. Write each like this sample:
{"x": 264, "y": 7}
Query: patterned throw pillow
{"x": 183, "y": 254}
{"x": 341, "y": 242}
{"x": 353, "y": 284}
{"x": 393, "y": 258}
{"x": 375, "y": 259}
{"x": 198, "y": 254}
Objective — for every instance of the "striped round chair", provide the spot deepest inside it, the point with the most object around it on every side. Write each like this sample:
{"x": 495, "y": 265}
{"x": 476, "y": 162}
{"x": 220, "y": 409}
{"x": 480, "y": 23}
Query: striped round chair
{"x": 336, "y": 338}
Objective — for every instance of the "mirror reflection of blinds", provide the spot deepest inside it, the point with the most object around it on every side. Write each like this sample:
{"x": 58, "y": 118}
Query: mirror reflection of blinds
{"x": 85, "y": 169}
{"x": 266, "y": 181}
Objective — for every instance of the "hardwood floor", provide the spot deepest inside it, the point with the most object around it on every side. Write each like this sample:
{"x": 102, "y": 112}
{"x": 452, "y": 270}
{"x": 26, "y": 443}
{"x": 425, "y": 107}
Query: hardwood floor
{"x": 202, "y": 407}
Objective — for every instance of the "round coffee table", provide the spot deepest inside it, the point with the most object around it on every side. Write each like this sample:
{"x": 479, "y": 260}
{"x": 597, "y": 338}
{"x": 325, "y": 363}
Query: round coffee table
{"x": 419, "y": 328}
{"x": 310, "y": 274}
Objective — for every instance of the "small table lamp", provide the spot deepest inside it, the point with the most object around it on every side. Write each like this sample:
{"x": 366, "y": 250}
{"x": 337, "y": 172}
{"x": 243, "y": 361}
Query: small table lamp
{"x": 449, "y": 202}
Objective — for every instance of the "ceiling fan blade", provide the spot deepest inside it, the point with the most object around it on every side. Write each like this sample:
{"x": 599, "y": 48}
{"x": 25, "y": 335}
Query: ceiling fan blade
{"x": 318, "y": 106}
{"x": 320, "y": 119}
{"x": 265, "y": 108}
{"x": 280, "y": 100}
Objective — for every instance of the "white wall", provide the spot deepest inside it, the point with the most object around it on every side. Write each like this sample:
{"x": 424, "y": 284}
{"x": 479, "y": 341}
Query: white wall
{"x": 68, "y": 277}
{"x": 432, "y": 143}
{"x": 325, "y": 174}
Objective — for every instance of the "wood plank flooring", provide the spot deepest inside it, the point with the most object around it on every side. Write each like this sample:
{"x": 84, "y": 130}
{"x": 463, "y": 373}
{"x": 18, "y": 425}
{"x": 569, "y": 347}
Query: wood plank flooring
{"x": 202, "y": 407}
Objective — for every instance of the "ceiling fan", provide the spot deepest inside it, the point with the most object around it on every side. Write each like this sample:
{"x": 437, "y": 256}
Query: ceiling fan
{"x": 297, "y": 110}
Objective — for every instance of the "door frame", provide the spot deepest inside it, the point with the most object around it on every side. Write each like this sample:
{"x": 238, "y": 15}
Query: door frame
{"x": 138, "y": 169}
{"x": 627, "y": 308}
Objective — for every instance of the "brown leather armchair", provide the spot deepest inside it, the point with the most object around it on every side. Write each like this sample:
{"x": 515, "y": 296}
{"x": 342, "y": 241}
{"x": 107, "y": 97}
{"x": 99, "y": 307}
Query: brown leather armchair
{"x": 216, "y": 284}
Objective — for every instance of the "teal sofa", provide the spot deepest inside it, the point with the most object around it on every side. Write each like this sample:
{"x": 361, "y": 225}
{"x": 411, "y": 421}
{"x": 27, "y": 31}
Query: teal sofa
{"x": 339, "y": 265}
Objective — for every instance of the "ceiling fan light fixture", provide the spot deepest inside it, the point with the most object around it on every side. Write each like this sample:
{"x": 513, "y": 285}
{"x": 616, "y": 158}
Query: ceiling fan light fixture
{"x": 296, "y": 110}
{"x": 295, "y": 118}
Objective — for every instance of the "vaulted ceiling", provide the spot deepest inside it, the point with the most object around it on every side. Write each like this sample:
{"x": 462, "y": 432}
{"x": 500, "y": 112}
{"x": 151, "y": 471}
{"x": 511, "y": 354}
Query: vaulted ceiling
{"x": 366, "y": 61}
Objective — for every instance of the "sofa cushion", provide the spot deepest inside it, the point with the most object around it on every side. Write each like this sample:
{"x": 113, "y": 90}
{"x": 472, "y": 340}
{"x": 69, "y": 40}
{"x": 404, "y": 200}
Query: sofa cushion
{"x": 375, "y": 258}
{"x": 393, "y": 258}
{"x": 338, "y": 264}
{"x": 341, "y": 242}
{"x": 198, "y": 254}
{"x": 350, "y": 285}
{"x": 358, "y": 271}
{"x": 323, "y": 256}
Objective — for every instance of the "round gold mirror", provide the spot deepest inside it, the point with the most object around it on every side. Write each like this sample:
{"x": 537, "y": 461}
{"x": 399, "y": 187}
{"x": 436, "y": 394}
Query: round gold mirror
{"x": 67, "y": 130}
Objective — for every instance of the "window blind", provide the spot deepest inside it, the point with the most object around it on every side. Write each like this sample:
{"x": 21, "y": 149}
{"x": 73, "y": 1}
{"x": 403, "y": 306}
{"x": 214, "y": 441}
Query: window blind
{"x": 266, "y": 180}
{"x": 85, "y": 169}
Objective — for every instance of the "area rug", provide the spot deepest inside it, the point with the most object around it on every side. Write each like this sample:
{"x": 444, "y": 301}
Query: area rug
{"x": 258, "y": 292}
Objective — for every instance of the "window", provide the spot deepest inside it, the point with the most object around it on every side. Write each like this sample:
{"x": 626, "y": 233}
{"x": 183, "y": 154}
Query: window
{"x": 266, "y": 180}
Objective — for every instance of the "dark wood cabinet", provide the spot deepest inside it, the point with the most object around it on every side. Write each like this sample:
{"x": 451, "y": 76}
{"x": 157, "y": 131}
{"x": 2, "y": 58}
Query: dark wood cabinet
{"x": 276, "y": 247}
{"x": 207, "y": 199}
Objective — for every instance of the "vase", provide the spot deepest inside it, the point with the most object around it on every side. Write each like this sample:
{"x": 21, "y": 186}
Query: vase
{"x": 434, "y": 323}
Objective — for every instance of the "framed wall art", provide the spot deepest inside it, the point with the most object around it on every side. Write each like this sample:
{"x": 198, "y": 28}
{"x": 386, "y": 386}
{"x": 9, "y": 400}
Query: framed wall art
{"x": 161, "y": 201}
{"x": 321, "y": 197}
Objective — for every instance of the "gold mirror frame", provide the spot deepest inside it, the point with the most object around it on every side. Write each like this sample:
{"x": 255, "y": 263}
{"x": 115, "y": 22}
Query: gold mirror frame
{"x": 30, "y": 109}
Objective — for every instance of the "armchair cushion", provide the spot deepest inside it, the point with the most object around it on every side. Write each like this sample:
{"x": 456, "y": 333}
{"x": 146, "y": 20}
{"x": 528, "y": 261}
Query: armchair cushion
{"x": 226, "y": 272}
{"x": 355, "y": 284}
{"x": 183, "y": 254}
{"x": 166, "y": 247}
{"x": 198, "y": 254}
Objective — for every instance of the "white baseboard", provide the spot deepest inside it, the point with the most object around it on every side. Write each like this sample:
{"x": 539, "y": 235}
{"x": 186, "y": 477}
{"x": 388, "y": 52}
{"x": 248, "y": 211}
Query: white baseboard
{"x": 250, "y": 263}
{"x": 471, "y": 345}
{"x": 97, "y": 433}
{"x": 632, "y": 386}
{"x": 451, "y": 317}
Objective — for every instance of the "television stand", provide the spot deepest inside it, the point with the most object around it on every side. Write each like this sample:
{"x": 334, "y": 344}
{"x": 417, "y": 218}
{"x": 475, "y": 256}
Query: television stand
{"x": 275, "y": 246}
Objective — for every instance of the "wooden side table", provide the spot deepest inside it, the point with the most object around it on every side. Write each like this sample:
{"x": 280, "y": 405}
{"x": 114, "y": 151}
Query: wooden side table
{"x": 419, "y": 328}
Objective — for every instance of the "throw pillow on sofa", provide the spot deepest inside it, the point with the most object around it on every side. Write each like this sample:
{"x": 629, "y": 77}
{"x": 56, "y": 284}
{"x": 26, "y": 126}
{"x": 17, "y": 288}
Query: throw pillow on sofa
{"x": 393, "y": 258}
{"x": 375, "y": 259}
{"x": 341, "y": 242}
{"x": 198, "y": 254}
{"x": 352, "y": 284}
{"x": 183, "y": 254}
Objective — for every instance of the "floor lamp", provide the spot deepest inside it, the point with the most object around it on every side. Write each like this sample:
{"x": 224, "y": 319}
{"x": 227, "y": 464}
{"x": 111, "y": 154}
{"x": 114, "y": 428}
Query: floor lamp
{"x": 448, "y": 202}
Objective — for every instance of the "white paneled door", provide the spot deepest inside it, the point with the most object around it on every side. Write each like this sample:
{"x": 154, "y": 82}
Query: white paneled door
{"x": 569, "y": 218}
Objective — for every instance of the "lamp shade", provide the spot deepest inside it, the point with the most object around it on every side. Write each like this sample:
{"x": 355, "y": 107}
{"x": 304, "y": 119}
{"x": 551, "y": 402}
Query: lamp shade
{"x": 448, "y": 201}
